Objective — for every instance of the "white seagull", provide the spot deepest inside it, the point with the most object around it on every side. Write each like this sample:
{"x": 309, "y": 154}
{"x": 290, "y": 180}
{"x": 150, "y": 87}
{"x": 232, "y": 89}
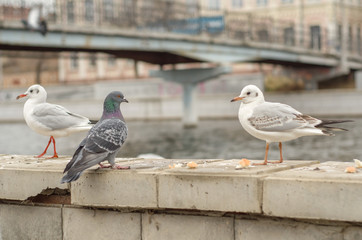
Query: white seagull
{"x": 277, "y": 122}
{"x": 50, "y": 119}
{"x": 35, "y": 20}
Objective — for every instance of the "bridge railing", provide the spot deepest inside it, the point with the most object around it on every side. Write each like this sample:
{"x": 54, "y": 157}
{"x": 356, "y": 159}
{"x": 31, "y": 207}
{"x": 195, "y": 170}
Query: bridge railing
{"x": 179, "y": 18}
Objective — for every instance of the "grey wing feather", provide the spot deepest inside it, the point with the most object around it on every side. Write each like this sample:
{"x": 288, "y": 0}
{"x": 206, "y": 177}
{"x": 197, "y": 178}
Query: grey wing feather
{"x": 109, "y": 136}
{"x": 279, "y": 117}
{"x": 103, "y": 140}
{"x": 57, "y": 117}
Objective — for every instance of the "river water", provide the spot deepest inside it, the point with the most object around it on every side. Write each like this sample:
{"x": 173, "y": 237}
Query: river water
{"x": 211, "y": 139}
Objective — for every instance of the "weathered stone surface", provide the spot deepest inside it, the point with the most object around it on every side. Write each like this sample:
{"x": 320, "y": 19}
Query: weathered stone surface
{"x": 136, "y": 187}
{"x": 23, "y": 176}
{"x": 217, "y": 186}
{"x": 352, "y": 233}
{"x": 123, "y": 188}
{"x": 30, "y": 222}
{"x": 161, "y": 226}
{"x": 322, "y": 191}
{"x": 256, "y": 229}
{"x": 100, "y": 224}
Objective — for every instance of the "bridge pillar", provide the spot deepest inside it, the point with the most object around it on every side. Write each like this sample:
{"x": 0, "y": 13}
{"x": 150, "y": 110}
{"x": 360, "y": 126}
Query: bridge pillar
{"x": 189, "y": 79}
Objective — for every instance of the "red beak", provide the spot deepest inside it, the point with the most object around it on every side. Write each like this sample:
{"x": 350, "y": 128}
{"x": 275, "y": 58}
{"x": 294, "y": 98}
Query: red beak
{"x": 21, "y": 96}
{"x": 236, "y": 99}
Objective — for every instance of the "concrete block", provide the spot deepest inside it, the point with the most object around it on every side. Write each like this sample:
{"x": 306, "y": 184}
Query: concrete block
{"x": 30, "y": 222}
{"x": 216, "y": 186}
{"x": 24, "y": 176}
{"x": 322, "y": 191}
{"x": 352, "y": 233}
{"x": 122, "y": 188}
{"x": 116, "y": 188}
{"x": 276, "y": 229}
{"x": 100, "y": 224}
{"x": 159, "y": 226}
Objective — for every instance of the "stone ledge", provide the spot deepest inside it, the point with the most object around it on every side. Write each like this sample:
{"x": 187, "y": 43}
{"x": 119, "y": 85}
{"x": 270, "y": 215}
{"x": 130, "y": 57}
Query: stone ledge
{"x": 294, "y": 189}
{"x": 322, "y": 191}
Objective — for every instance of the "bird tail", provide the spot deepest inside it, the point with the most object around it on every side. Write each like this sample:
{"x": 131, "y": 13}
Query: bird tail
{"x": 80, "y": 162}
{"x": 329, "y": 130}
{"x": 70, "y": 177}
{"x": 92, "y": 121}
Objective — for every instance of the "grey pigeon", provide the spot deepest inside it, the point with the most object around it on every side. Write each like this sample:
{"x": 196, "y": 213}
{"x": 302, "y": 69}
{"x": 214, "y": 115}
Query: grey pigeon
{"x": 103, "y": 141}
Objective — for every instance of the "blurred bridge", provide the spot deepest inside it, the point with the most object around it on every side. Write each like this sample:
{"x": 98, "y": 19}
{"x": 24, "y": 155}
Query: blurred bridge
{"x": 168, "y": 32}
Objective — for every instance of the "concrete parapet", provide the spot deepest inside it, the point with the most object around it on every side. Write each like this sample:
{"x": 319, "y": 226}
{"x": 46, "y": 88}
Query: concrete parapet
{"x": 163, "y": 199}
{"x": 322, "y": 191}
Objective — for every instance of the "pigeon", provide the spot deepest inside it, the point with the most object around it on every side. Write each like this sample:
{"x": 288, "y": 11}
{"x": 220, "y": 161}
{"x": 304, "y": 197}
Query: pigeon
{"x": 277, "y": 122}
{"x": 50, "y": 119}
{"x": 35, "y": 20}
{"x": 103, "y": 141}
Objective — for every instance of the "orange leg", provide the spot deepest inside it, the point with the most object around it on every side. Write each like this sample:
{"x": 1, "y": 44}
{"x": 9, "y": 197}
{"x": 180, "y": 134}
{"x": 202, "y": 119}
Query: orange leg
{"x": 55, "y": 150}
{"x": 265, "y": 157}
{"x": 281, "y": 154}
{"x": 45, "y": 151}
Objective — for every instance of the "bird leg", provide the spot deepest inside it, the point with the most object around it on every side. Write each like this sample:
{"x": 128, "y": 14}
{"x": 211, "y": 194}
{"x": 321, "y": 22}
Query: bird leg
{"x": 45, "y": 151}
{"x": 281, "y": 154}
{"x": 265, "y": 157}
{"x": 104, "y": 166}
{"x": 55, "y": 150}
{"x": 116, "y": 166}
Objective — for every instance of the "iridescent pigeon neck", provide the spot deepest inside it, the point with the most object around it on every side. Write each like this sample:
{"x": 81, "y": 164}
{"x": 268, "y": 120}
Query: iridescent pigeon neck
{"x": 111, "y": 110}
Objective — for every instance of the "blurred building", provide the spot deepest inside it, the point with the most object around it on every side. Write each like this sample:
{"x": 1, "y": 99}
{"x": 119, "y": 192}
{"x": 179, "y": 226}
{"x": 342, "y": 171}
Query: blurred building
{"x": 315, "y": 24}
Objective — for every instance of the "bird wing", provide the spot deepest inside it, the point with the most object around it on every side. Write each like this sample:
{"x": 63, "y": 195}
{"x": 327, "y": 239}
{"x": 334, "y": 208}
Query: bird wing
{"x": 279, "y": 117}
{"x": 109, "y": 136}
{"x": 56, "y": 117}
{"x": 104, "y": 139}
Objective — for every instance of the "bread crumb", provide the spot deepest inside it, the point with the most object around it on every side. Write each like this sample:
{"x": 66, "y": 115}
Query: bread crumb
{"x": 192, "y": 165}
{"x": 350, "y": 170}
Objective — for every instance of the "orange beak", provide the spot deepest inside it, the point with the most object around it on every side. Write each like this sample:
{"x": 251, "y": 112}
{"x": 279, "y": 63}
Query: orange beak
{"x": 21, "y": 96}
{"x": 236, "y": 99}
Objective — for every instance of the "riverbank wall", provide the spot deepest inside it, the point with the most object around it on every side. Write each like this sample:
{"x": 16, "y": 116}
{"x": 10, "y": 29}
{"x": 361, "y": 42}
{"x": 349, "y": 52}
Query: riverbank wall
{"x": 163, "y": 199}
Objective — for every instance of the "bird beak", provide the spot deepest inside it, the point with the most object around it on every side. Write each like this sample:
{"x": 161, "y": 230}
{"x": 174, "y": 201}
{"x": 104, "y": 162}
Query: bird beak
{"x": 236, "y": 99}
{"x": 125, "y": 100}
{"x": 21, "y": 96}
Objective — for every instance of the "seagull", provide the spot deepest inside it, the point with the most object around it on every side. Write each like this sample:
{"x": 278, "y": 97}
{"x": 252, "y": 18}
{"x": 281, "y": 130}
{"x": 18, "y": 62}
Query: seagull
{"x": 50, "y": 119}
{"x": 277, "y": 122}
{"x": 103, "y": 141}
{"x": 35, "y": 21}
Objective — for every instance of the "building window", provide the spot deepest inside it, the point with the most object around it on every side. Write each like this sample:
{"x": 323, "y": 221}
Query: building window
{"x": 107, "y": 10}
{"x": 92, "y": 60}
{"x": 350, "y": 39}
{"x": 289, "y": 39}
{"x": 358, "y": 42}
{"x": 74, "y": 60}
{"x": 263, "y": 35}
{"x": 89, "y": 10}
{"x": 111, "y": 61}
{"x": 315, "y": 37}
{"x": 214, "y": 4}
{"x": 70, "y": 11}
{"x": 237, "y": 3}
{"x": 261, "y": 2}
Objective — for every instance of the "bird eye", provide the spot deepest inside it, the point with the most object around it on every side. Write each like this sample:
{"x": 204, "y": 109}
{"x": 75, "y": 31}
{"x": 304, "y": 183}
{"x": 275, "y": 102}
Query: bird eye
{"x": 119, "y": 96}
{"x": 31, "y": 91}
{"x": 248, "y": 93}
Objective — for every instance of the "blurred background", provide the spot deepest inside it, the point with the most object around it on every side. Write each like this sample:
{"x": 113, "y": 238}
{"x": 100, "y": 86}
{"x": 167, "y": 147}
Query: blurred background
{"x": 179, "y": 63}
